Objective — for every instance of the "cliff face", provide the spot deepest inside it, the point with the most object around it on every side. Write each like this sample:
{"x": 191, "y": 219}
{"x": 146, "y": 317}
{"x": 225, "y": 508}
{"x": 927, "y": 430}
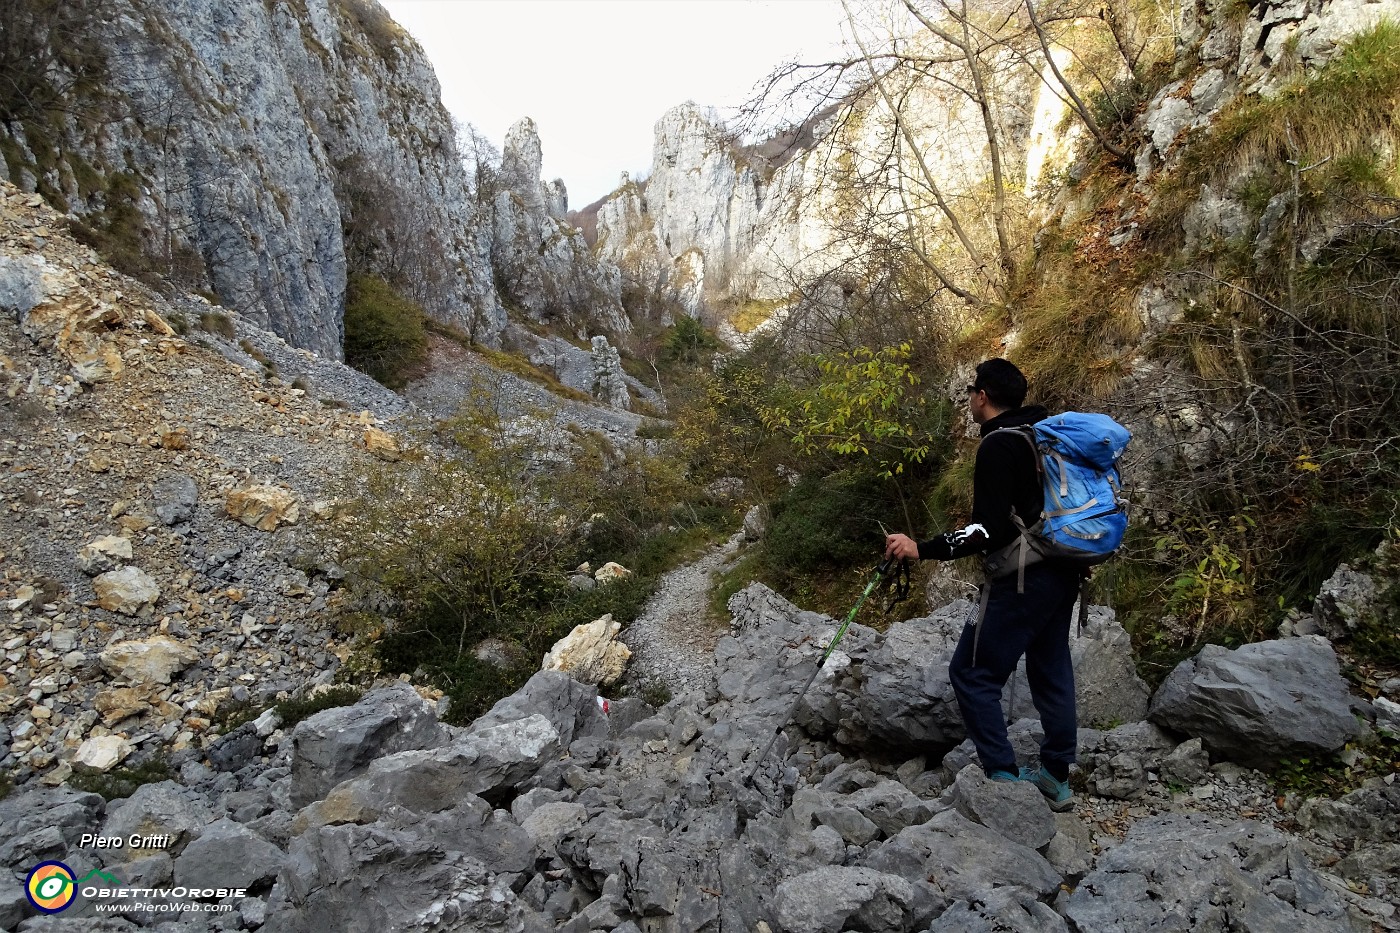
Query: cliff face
{"x": 248, "y": 138}
{"x": 543, "y": 265}
{"x": 261, "y": 151}
{"x": 724, "y": 223}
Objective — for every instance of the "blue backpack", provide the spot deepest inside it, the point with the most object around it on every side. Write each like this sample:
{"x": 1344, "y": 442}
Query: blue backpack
{"x": 1085, "y": 513}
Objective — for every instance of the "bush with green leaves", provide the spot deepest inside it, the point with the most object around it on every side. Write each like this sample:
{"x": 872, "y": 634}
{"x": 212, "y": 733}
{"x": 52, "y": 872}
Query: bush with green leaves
{"x": 472, "y": 538}
{"x": 385, "y": 335}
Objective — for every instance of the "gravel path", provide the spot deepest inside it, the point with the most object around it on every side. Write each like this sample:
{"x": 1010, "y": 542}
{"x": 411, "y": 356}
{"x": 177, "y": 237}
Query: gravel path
{"x": 673, "y": 640}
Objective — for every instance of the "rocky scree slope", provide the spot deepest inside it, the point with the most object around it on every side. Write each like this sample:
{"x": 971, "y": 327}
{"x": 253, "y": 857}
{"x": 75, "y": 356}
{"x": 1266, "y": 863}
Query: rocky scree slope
{"x": 548, "y": 814}
{"x": 157, "y": 499}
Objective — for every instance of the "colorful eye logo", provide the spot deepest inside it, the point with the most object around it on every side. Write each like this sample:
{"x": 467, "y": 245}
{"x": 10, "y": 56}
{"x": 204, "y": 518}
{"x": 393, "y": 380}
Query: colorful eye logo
{"x": 50, "y": 887}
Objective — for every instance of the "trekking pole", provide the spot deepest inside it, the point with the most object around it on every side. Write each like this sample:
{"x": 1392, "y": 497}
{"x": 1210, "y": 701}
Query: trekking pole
{"x": 885, "y": 567}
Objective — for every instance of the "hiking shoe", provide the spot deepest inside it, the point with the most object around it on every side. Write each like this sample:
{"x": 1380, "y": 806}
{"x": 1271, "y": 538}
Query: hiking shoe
{"x": 1002, "y": 776}
{"x": 1056, "y": 793}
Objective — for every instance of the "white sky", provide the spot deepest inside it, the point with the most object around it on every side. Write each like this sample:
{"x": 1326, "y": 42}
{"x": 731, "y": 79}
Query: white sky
{"x": 595, "y": 75}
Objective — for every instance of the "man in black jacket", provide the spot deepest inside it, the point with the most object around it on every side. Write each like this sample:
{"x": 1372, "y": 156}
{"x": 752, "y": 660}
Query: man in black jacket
{"x": 1034, "y": 622}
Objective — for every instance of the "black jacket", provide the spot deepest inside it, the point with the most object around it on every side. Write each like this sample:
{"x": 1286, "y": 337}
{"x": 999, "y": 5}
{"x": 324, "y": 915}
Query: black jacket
{"x": 1004, "y": 477}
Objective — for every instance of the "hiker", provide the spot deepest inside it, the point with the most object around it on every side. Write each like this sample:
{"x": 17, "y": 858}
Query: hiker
{"x": 1034, "y": 622}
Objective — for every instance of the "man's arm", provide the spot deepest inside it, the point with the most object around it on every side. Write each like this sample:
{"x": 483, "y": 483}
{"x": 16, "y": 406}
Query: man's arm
{"x": 954, "y": 544}
{"x": 992, "y": 481}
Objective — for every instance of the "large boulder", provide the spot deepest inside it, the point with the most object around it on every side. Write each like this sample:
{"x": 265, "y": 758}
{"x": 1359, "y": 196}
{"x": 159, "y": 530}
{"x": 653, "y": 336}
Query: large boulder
{"x": 963, "y": 859}
{"x": 153, "y": 661}
{"x": 1348, "y": 599}
{"x": 570, "y": 706}
{"x": 228, "y": 855}
{"x": 130, "y": 591}
{"x": 905, "y": 698}
{"x": 382, "y": 879}
{"x": 165, "y": 810}
{"x": 1260, "y": 703}
{"x": 489, "y": 764}
{"x": 1191, "y": 872}
{"x": 1015, "y": 809}
{"x": 590, "y": 653}
{"x": 831, "y": 899}
{"x": 340, "y": 743}
{"x": 45, "y": 823}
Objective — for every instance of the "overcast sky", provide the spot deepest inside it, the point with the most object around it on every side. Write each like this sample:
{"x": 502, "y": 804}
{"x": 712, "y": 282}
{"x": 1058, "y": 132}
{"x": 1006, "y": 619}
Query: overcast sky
{"x": 595, "y": 75}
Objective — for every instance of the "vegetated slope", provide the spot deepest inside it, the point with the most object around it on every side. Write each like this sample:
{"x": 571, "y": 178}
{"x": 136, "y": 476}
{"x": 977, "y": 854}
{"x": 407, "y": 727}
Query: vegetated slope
{"x": 204, "y": 452}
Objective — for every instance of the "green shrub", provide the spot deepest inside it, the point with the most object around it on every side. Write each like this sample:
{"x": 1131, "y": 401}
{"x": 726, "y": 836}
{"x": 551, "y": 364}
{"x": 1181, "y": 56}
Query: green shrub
{"x": 687, "y": 341}
{"x": 443, "y": 555}
{"x": 215, "y": 322}
{"x": 296, "y": 709}
{"x": 828, "y": 521}
{"x": 385, "y": 336}
{"x": 119, "y": 783}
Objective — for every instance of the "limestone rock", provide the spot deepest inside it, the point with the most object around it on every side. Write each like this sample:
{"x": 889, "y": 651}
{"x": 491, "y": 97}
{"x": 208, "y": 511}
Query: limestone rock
{"x": 1171, "y": 868}
{"x": 590, "y": 653}
{"x": 21, "y": 285}
{"x": 1347, "y": 599}
{"x": 263, "y": 507}
{"x": 381, "y": 444}
{"x": 337, "y": 744}
{"x": 1387, "y": 715}
{"x": 609, "y": 384}
{"x": 831, "y": 899}
{"x": 1015, "y": 809}
{"x": 487, "y": 763}
{"x": 102, "y": 753}
{"x": 382, "y": 879}
{"x": 130, "y": 591}
{"x": 1260, "y": 703}
{"x": 118, "y": 703}
{"x": 104, "y": 554}
{"x": 166, "y": 809}
{"x": 152, "y": 661}
{"x": 228, "y": 855}
{"x": 570, "y": 706}
{"x": 611, "y": 571}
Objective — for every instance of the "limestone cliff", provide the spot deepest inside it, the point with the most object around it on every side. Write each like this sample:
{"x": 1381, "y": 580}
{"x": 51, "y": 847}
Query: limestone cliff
{"x": 262, "y": 152}
{"x": 238, "y": 143}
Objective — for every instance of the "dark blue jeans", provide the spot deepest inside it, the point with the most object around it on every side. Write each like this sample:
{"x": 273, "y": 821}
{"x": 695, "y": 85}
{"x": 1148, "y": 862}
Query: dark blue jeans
{"x": 1034, "y": 623}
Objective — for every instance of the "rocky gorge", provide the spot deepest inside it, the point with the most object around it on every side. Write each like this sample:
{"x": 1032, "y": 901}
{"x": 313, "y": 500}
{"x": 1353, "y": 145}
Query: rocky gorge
{"x": 167, "y": 461}
{"x": 154, "y": 568}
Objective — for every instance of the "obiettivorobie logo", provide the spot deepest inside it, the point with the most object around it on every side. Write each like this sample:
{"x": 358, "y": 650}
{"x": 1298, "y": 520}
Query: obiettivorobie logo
{"x": 51, "y": 886}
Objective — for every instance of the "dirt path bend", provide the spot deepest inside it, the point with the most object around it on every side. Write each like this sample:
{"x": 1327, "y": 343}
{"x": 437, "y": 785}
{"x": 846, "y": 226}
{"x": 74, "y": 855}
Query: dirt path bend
{"x": 673, "y": 640}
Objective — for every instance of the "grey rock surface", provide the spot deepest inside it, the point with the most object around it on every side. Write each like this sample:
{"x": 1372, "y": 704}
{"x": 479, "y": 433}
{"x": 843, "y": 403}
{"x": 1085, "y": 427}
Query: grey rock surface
{"x": 569, "y": 706}
{"x": 228, "y": 855}
{"x": 1259, "y": 703}
{"x": 339, "y": 743}
{"x": 176, "y": 496}
{"x": 828, "y": 900}
{"x": 1014, "y": 809}
{"x": 1347, "y": 599}
{"x": 164, "y": 809}
{"x": 1192, "y": 873}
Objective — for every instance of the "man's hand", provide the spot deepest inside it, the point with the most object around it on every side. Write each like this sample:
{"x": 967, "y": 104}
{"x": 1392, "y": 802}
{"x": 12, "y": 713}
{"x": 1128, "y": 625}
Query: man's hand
{"x": 901, "y": 547}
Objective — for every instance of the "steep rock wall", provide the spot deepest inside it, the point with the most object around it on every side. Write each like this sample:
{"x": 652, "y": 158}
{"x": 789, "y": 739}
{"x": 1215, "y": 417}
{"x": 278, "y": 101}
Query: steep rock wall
{"x": 252, "y": 134}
